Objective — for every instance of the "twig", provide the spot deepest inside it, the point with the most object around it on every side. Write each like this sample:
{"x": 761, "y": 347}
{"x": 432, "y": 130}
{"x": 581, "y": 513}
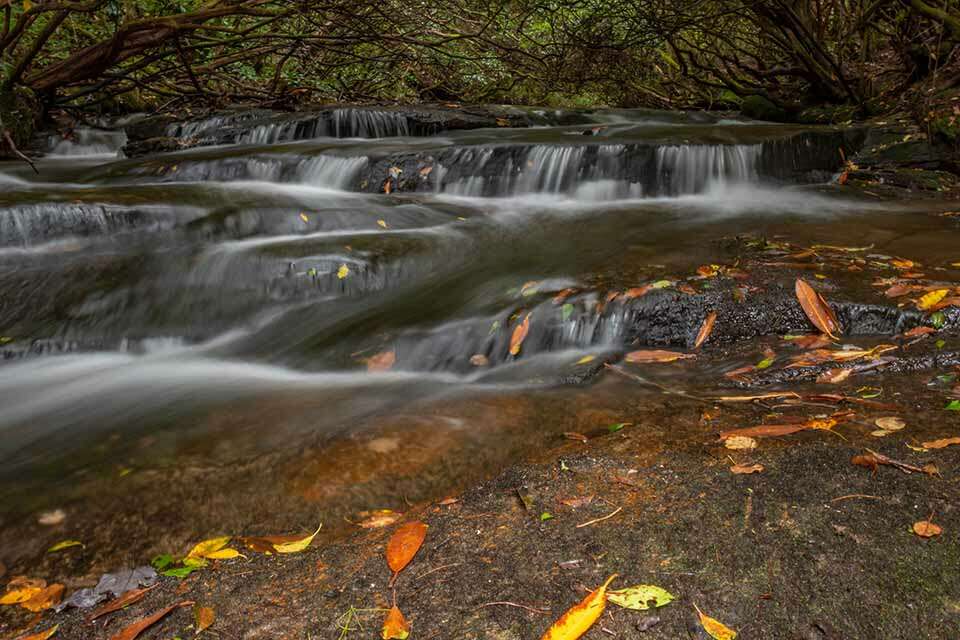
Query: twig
{"x": 445, "y": 566}
{"x": 642, "y": 380}
{"x": 13, "y": 147}
{"x": 514, "y": 604}
{"x": 856, "y": 495}
{"x": 595, "y": 521}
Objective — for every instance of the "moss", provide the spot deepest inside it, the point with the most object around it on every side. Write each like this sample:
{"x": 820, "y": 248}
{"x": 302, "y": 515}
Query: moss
{"x": 21, "y": 111}
{"x": 760, "y": 108}
{"x": 946, "y": 130}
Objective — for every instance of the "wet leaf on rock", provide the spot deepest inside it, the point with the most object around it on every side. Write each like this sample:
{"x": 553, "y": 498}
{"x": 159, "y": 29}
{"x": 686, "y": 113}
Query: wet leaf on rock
{"x": 45, "y": 599}
{"x": 130, "y": 597}
{"x": 66, "y": 544}
{"x": 705, "y": 329}
{"x": 655, "y": 355}
{"x": 579, "y": 618}
{"x": 834, "y": 376}
{"x": 640, "y": 597}
{"x": 941, "y": 443}
{"x": 296, "y": 546}
{"x": 133, "y": 630}
{"x": 43, "y": 635}
{"x": 740, "y": 443}
{"x": 927, "y": 529}
{"x": 395, "y": 626}
{"x": 404, "y": 544}
{"x": 203, "y": 618}
{"x": 519, "y": 335}
{"x": 714, "y": 627}
{"x": 22, "y": 589}
{"x": 383, "y": 361}
{"x": 746, "y": 469}
{"x": 930, "y": 300}
{"x": 890, "y": 423}
{"x": 817, "y": 309}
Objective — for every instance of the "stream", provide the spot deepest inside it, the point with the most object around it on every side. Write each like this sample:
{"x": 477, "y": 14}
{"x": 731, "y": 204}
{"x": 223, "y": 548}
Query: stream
{"x": 225, "y": 302}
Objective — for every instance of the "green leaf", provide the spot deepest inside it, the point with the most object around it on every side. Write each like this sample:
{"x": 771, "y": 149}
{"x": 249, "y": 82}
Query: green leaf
{"x": 545, "y": 516}
{"x": 938, "y": 320}
{"x": 940, "y": 344}
{"x": 661, "y": 284}
{"x": 953, "y": 405}
{"x": 194, "y": 562}
{"x": 566, "y": 311}
{"x": 563, "y": 466}
{"x": 617, "y": 427}
{"x": 640, "y": 597}
{"x": 162, "y": 561}
{"x": 766, "y": 362}
{"x": 66, "y": 544}
{"x": 179, "y": 572}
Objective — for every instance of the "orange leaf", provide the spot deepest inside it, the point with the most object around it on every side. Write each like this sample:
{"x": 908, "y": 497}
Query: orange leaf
{"x": 926, "y": 529}
{"x": 49, "y": 597}
{"x": 834, "y": 376}
{"x": 742, "y": 469}
{"x": 579, "y": 618}
{"x": 203, "y": 617}
{"x": 133, "y": 630}
{"x": 43, "y": 635}
{"x": 382, "y": 361}
{"x": 395, "y": 627}
{"x": 404, "y": 544}
{"x": 656, "y": 355}
{"x": 941, "y": 443}
{"x": 705, "y": 329}
{"x": 714, "y": 627}
{"x": 128, "y": 598}
{"x": 519, "y": 335}
{"x": 637, "y": 292}
{"x": 765, "y": 431}
{"x": 817, "y": 309}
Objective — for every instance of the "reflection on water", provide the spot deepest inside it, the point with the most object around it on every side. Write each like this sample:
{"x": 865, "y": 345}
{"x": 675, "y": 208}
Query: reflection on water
{"x": 143, "y": 296}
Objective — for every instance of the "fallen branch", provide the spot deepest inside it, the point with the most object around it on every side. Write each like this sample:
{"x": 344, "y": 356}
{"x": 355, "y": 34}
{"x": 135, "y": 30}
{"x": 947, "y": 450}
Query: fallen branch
{"x": 606, "y": 517}
{"x": 20, "y": 154}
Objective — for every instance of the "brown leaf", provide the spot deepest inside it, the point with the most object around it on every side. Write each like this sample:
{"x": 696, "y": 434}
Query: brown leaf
{"x": 43, "y": 635}
{"x": 383, "y": 361}
{"x": 817, "y": 309}
{"x": 203, "y": 617}
{"x": 573, "y": 435}
{"x": 519, "y": 335}
{"x": 125, "y": 600}
{"x": 765, "y": 431}
{"x": 872, "y": 460}
{"x": 899, "y": 289}
{"x": 926, "y": 529}
{"x": 743, "y": 469}
{"x": 656, "y": 355}
{"x": 133, "y": 630}
{"x": 404, "y": 544}
{"x": 705, "y": 329}
{"x": 812, "y": 341}
{"x": 834, "y": 376}
{"x": 637, "y": 292}
{"x": 479, "y": 360}
{"x": 577, "y": 502}
{"x": 941, "y": 443}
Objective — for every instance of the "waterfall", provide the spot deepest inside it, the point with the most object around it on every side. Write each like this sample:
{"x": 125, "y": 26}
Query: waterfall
{"x": 334, "y": 172}
{"x": 365, "y": 123}
{"x": 686, "y": 169}
{"x": 86, "y": 141}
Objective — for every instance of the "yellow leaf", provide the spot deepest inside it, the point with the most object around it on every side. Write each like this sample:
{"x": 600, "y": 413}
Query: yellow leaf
{"x": 715, "y": 628}
{"x": 579, "y": 618}
{"x": 926, "y": 529}
{"x": 223, "y": 554}
{"x": 45, "y": 599}
{"x": 304, "y": 217}
{"x": 343, "y": 271}
{"x": 382, "y": 223}
{"x": 740, "y": 442}
{"x": 27, "y": 5}
{"x": 395, "y": 627}
{"x": 586, "y": 359}
{"x": 16, "y": 596}
{"x": 931, "y": 299}
{"x": 205, "y": 548}
{"x": 66, "y": 544}
{"x": 297, "y": 545}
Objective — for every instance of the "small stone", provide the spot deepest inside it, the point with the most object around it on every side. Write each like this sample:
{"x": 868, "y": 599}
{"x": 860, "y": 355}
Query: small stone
{"x": 646, "y": 623}
{"x": 52, "y": 518}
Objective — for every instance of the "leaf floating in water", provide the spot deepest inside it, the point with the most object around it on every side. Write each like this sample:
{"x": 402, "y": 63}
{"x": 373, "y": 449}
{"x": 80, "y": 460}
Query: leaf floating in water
{"x": 132, "y": 631}
{"x": 404, "y": 544}
{"x": 741, "y": 469}
{"x": 304, "y": 217}
{"x": 640, "y": 597}
{"x": 579, "y": 618}
{"x": 705, "y": 329}
{"x": 383, "y": 223}
{"x": 203, "y": 618}
{"x": 519, "y": 335}
{"x": 656, "y": 355}
{"x": 343, "y": 271}
{"x": 66, "y": 544}
{"x": 378, "y": 518}
{"x": 930, "y": 300}
{"x": 927, "y": 529}
{"x": 714, "y": 627}
{"x": 395, "y": 626}
{"x": 817, "y": 309}
{"x": 383, "y": 361}
{"x": 296, "y": 546}
{"x": 586, "y": 359}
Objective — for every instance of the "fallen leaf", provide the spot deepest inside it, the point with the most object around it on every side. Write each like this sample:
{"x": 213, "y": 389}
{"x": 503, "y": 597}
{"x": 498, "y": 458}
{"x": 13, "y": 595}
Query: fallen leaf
{"x": 746, "y": 469}
{"x": 919, "y": 331}
{"x": 21, "y": 589}
{"x": 133, "y": 630}
{"x": 304, "y": 217}
{"x": 203, "y": 617}
{"x": 343, "y": 271}
{"x": 714, "y": 627}
{"x": 705, "y": 329}
{"x": 890, "y": 423}
{"x": 817, "y": 309}
{"x": 640, "y": 597}
{"x": 872, "y": 460}
{"x": 395, "y": 627}
{"x": 51, "y": 518}
{"x": 931, "y": 299}
{"x": 207, "y": 547}
{"x": 941, "y": 443}
{"x": 577, "y": 502}
{"x": 379, "y": 518}
{"x": 762, "y": 396}
{"x": 45, "y": 599}
{"x": 580, "y": 617}
{"x": 66, "y": 544}
{"x": 383, "y": 361}
{"x": 296, "y": 546}
{"x": 637, "y": 292}
{"x": 479, "y": 360}
{"x": 125, "y": 600}
{"x": 43, "y": 635}
{"x": 765, "y": 431}
{"x": 382, "y": 223}
{"x": 586, "y": 359}
{"x": 404, "y": 544}
{"x": 656, "y": 355}
{"x": 519, "y": 335}
{"x": 927, "y": 529}
{"x": 740, "y": 443}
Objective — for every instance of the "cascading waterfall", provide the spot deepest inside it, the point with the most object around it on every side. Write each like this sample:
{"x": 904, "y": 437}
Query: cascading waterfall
{"x": 686, "y": 169}
{"x": 86, "y": 141}
{"x": 334, "y": 172}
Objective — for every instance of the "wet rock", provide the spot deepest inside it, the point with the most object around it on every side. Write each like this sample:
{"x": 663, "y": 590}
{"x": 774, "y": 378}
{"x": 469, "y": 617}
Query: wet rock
{"x": 760, "y": 108}
{"x": 646, "y": 623}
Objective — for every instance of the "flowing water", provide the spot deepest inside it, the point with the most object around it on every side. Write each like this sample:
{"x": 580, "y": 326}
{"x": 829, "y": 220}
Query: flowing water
{"x": 232, "y": 295}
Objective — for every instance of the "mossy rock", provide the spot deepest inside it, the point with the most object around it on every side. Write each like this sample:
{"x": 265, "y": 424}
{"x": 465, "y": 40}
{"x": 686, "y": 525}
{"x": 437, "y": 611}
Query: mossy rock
{"x": 946, "y": 130}
{"x": 21, "y": 111}
{"x": 828, "y": 114}
{"x": 760, "y": 108}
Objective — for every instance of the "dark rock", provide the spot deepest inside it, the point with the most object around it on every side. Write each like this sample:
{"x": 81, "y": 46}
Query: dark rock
{"x": 760, "y": 108}
{"x": 646, "y": 623}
